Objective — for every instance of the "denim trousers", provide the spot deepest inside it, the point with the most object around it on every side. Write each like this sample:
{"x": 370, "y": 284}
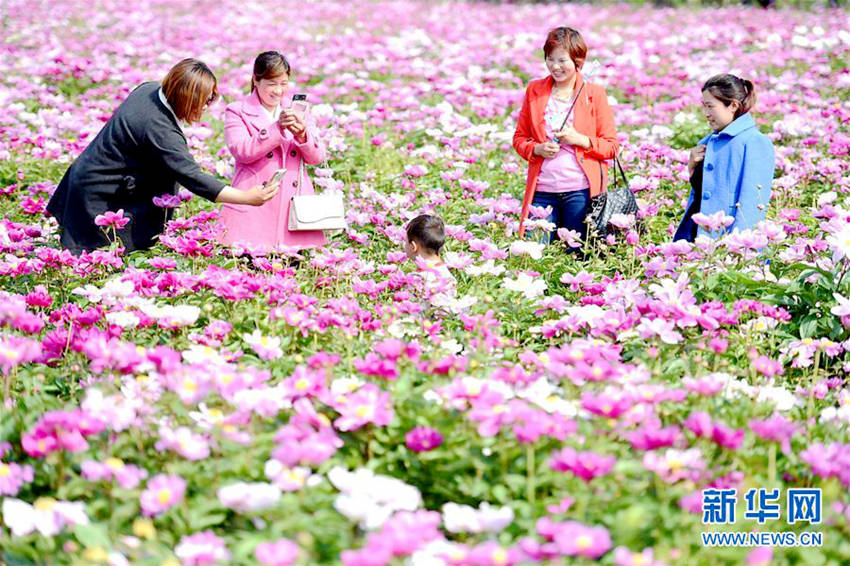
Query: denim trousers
{"x": 569, "y": 211}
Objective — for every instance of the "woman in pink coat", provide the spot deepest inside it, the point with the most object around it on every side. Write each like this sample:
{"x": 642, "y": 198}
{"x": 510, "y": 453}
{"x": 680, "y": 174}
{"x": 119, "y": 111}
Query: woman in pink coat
{"x": 264, "y": 134}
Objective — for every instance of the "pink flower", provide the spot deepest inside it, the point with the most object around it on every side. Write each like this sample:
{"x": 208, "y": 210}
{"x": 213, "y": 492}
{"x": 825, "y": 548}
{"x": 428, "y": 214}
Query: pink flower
{"x": 127, "y": 476}
{"x": 575, "y": 539}
{"x": 625, "y": 557}
{"x": 761, "y": 556}
{"x": 423, "y": 438}
{"x": 367, "y": 405}
{"x": 202, "y": 549}
{"x": 13, "y": 476}
{"x": 282, "y": 552}
{"x": 161, "y": 494}
{"x": 586, "y": 465}
{"x": 108, "y": 219}
{"x": 713, "y": 222}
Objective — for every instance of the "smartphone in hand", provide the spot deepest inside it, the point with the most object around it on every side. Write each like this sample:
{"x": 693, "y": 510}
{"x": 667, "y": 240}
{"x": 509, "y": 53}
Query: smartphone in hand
{"x": 276, "y": 178}
{"x": 299, "y": 104}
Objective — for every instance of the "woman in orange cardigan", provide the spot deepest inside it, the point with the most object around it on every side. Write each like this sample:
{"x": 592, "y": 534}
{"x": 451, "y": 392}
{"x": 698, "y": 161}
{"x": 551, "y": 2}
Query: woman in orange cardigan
{"x": 564, "y": 174}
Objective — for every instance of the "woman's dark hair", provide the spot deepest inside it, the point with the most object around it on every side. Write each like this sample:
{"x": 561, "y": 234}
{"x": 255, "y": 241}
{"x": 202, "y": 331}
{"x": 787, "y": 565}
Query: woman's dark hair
{"x": 570, "y": 40}
{"x": 269, "y": 65}
{"x": 189, "y": 87}
{"x": 729, "y": 88}
{"x": 428, "y": 231}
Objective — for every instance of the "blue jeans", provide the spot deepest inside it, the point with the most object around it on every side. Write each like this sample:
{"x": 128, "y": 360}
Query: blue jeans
{"x": 569, "y": 211}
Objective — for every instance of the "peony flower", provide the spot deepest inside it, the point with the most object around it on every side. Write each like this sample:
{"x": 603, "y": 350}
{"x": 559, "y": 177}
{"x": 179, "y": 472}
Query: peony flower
{"x": 108, "y": 219}
{"x": 529, "y": 286}
{"x": 281, "y": 552}
{"x": 202, "y": 549}
{"x": 46, "y": 515}
{"x": 423, "y": 438}
{"x": 249, "y": 497}
{"x": 161, "y": 494}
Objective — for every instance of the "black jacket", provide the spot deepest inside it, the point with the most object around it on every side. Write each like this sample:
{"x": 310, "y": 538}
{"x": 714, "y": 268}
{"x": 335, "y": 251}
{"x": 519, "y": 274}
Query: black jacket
{"x": 139, "y": 154}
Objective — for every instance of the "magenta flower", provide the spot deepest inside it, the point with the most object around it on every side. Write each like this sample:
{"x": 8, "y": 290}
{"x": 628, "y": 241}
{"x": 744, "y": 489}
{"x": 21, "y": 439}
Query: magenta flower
{"x": 423, "y": 438}
{"x": 606, "y": 405}
{"x": 776, "y": 428}
{"x": 167, "y": 201}
{"x": 161, "y": 494}
{"x": 282, "y": 552}
{"x": 586, "y": 465}
{"x": 111, "y": 219}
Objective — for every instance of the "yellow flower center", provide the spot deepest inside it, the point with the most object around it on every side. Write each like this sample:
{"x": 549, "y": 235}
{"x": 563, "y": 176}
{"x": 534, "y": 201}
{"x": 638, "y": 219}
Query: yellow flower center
{"x": 163, "y": 496}
{"x": 114, "y": 464}
{"x": 44, "y": 504}
{"x": 584, "y": 542}
{"x": 5, "y": 471}
{"x": 499, "y": 556}
{"x": 190, "y": 385}
{"x": 675, "y": 464}
{"x": 302, "y": 384}
{"x": 363, "y": 410}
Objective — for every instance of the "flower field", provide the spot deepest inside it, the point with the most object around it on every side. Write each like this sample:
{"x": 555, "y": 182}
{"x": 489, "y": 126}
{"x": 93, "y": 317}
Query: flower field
{"x": 188, "y": 405}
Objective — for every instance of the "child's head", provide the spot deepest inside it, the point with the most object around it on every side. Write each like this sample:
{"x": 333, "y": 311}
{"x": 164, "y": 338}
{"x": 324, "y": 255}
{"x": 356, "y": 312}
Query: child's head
{"x": 425, "y": 236}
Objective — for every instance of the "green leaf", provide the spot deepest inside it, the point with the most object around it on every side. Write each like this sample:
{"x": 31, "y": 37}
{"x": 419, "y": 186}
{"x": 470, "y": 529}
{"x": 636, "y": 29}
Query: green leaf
{"x": 809, "y": 327}
{"x": 92, "y": 535}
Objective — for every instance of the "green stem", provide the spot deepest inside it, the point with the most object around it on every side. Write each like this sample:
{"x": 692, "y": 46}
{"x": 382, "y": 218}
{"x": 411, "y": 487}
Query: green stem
{"x": 771, "y": 464}
{"x": 811, "y": 404}
{"x": 530, "y": 486}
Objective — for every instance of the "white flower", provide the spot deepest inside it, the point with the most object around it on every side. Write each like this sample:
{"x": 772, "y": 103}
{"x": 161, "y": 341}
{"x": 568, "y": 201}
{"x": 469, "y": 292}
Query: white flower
{"x": 124, "y": 319}
{"x": 466, "y": 519}
{"x": 371, "y": 499}
{"x": 488, "y": 267}
{"x": 527, "y": 247}
{"x": 622, "y": 221}
{"x": 840, "y": 243}
{"x": 47, "y": 516}
{"x": 247, "y": 497}
{"x": 525, "y": 284}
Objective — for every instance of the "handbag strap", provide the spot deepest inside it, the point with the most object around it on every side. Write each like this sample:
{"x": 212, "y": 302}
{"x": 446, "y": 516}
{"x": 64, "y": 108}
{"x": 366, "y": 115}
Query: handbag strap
{"x": 619, "y": 166}
{"x": 300, "y": 175}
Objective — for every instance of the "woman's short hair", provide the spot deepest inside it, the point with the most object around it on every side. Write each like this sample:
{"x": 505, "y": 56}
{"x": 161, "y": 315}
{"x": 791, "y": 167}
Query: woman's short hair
{"x": 189, "y": 87}
{"x": 269, "y": 65}
{"x": 729, "y": 88}
{"x": 428, "y": 231}
{"x": 568, "y": 39}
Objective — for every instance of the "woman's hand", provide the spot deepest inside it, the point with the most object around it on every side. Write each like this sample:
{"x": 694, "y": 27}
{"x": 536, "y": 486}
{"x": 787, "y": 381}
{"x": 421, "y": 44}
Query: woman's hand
{"x": 255, "y": 196}
{"x": 697, "y": 155}
{"x": 547, "y": 150}
{"x": 570, "y": 136}
{"x": 291, "y": 121}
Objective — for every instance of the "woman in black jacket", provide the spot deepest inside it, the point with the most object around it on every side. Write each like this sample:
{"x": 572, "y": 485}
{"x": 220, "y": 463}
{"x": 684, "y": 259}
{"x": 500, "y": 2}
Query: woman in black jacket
{"x": 141, "y": 153}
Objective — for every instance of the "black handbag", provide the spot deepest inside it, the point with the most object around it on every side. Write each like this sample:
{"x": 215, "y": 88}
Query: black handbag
{"x": 617, "y": 200}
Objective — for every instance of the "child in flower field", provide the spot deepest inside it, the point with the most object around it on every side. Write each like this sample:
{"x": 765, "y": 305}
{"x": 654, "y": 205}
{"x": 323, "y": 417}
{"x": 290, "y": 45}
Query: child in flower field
{"x": 425, "y": 237}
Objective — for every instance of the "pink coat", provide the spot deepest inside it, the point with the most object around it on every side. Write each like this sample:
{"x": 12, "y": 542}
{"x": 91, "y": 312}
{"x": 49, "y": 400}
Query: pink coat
{"x": 260, "y": 149}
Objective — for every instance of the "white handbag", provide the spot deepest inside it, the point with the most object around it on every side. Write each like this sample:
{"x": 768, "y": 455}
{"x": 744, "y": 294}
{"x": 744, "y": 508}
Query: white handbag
{"x": 315, "y": 212}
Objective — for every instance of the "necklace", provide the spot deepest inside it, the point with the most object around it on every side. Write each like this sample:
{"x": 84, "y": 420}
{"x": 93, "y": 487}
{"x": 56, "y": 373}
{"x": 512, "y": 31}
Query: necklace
{"x": 562, "y": 94}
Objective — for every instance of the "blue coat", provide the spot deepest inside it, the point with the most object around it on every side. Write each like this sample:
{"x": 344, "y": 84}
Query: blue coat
{"x": 737, "y": 176}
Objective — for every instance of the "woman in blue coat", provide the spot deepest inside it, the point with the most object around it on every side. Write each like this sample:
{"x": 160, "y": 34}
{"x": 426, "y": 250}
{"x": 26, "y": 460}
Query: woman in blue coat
{"x": 731, "y": 169}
